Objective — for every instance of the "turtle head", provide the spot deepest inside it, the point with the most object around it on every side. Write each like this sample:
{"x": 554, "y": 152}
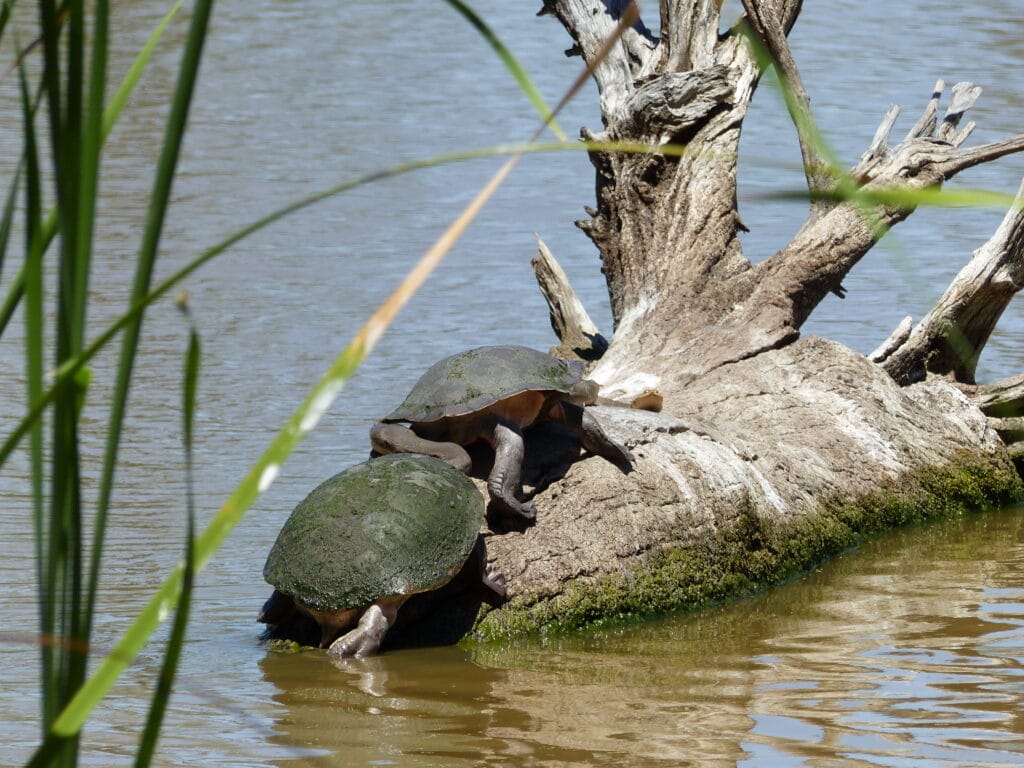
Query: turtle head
{"x": 584, "y": 392}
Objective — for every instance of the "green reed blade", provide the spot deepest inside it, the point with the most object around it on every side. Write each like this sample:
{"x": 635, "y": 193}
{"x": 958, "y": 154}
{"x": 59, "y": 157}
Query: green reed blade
{"x": 176, "y": 641}
{"x": 511, "y": 64}
{"x": 91, "y": 147}
{"x": 156, "y": 211}
{"x": 34, "y": 314}
{"x": 8, "y": 218}
{"x": 110, "y": 116}
{"x": 14, "y": 295}
{"x": 5, "y": 15}
{"x": 120, "y": 97}
{"x": 63, "y": 535}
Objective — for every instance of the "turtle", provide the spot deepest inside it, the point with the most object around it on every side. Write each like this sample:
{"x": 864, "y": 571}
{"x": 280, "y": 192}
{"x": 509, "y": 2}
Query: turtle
{"x": 367, "y": 539}
{"x": 493, "y": 393}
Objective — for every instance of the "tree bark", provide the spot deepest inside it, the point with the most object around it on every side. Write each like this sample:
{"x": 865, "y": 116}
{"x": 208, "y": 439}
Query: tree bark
{"x": 772, "y": 450}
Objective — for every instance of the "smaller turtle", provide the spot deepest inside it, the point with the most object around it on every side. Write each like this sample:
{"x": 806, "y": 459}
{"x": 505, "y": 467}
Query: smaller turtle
{"x": 492, "y": 394}
{"x": 366, "y": 540}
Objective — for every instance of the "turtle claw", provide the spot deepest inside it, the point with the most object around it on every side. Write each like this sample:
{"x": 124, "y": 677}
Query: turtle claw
{"x": 503, "y": 517}
{"x": 357, "y": 643}
{"x": 496, "y": 593}
{"x": 366, "y": 638}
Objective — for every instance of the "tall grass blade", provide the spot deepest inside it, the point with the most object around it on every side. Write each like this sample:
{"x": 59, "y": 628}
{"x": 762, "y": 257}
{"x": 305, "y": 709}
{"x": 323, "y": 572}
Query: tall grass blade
{"x": 113, "y": 111}
{"x": 120, "y": 97}
{"x": 158, "y": 203}
{"x": 12, "y": 300}
{"x": 5, "y": 15}
{"x": 33, "y": 287}
{"x": 176, "y": 641}
{"x": 511, "y": 64}
{"x": 7, "y": 219}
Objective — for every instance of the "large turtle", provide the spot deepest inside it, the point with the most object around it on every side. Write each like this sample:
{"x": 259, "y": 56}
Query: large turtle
{"x": 366, "y": 540}
{"x": 493, "y": 393}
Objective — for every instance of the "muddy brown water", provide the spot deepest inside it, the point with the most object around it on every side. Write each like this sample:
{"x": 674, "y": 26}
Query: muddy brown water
{"x": 906, "y": 652}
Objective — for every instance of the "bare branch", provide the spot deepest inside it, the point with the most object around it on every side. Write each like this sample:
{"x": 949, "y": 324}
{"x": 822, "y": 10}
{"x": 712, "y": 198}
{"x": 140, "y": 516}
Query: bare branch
{"x": 964, "y": 97}
{"x": 896, "y": 339}
{"x": 579, "y": 335}
{"x": 880, "y": 142}
{"x": 830, "y": 244}
{"x": 925, "y": 125}
{"x": 949, "y": 340}
{"x": 1001, "y": 398}
{"x": 768, "y": 26}
{"x": 968, "y": 158}
{"x": 692, "y": 31}
{"x": 590, "y": 23}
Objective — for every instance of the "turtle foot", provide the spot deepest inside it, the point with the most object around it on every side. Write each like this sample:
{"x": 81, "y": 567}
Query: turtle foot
{"x": 503, "y": 517}
{"x": 357, "y": 643}
{"x": 366, "y": 638}
{"x": 495, "y": 592}
{"x": 594, "y": 439}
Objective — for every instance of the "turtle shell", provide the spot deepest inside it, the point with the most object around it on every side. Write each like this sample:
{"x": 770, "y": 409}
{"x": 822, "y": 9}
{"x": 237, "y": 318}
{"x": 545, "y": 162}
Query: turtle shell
{"x": 477, "y": 378}
{"x": 394, "y": 525}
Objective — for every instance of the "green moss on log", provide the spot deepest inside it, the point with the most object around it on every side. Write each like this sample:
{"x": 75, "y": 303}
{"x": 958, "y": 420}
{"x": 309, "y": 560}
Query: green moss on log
{"x": 751, "y": 555}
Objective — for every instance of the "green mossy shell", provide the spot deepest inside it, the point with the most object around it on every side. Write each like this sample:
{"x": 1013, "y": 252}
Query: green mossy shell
{"x": 477, "y": 378}
{"x": 393, "y": 525}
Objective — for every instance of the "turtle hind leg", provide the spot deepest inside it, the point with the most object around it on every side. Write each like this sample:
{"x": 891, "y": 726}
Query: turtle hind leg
{"x": 490, "y": 586}
{"x": 366, "y": 638}
{"x": 505, "y": 481}
{"x": 278, "y": 609}
{"x": 591, "y": 435}
{"x": 396, "y": 438}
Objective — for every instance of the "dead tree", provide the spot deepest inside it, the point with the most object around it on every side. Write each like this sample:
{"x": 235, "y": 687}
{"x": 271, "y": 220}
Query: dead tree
{"x": 771, "y": 450}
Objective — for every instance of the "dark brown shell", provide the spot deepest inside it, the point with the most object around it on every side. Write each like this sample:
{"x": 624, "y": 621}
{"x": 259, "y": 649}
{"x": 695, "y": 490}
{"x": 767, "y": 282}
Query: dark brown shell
{"x": 478, "y": 378}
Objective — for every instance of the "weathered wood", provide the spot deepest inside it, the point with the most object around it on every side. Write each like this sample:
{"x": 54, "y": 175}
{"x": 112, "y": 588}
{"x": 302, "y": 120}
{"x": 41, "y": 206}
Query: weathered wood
{"x": 1001, "y": 398}
{"x": 880, "y": 143}
{"x": 761, "y": 432}
{"x": 579, "y": 336}
{"x": 764, "y": 444}
{"x": 950, "y": 338}
{"x": 896, "y": 339}
{"x": 1010, "y": 429}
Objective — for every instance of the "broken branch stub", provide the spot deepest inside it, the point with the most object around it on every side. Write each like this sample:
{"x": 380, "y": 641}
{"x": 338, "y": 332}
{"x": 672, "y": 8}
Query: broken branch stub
{"x": 949, "y": 339}
{"x": 580, "y": 339}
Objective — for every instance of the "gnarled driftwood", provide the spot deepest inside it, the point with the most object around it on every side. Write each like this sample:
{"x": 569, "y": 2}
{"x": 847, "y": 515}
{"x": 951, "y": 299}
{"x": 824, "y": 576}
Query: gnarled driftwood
{"x": 772, "y": 450}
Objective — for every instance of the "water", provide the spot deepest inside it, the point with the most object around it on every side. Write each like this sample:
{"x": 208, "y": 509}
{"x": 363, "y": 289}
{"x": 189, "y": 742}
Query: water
{"x": 905, "y": 653}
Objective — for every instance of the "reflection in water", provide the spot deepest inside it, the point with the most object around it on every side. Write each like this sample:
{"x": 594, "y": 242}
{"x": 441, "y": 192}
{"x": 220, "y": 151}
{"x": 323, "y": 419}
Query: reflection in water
{"x": 908, "y": 653}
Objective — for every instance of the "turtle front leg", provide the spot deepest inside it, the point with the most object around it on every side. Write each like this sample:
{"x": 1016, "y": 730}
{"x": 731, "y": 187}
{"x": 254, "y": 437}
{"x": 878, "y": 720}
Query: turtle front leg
{"x": 505, "y": 481}
{"x": 366, "y": 638}
{"x": 396, "y": 438}
{"x": 591, "y": 435}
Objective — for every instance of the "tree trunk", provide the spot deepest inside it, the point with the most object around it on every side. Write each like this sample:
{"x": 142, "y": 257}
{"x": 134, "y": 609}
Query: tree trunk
{"x": 771, "y": 450}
